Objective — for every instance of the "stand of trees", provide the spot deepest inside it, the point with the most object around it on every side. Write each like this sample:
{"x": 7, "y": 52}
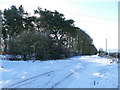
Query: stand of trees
{"x": 52, "y": 35}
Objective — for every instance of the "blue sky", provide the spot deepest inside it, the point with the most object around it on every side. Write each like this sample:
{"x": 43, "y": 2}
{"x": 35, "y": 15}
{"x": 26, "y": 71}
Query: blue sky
{"x": 99, "y": 18}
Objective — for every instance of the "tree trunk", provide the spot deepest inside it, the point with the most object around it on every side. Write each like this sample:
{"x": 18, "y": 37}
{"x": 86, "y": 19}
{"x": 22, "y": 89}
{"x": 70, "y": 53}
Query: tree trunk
{"x": 24, "y": 57}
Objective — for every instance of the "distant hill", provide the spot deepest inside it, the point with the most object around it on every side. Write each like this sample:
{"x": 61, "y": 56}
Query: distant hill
{"x": 113, "y": 50}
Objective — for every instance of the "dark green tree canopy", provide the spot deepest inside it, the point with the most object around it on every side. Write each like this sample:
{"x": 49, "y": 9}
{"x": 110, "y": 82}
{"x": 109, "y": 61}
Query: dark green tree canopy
{"x": 15, "y": 20}
{"x": 55, "y": 22}
{"x": 56, "y": 36}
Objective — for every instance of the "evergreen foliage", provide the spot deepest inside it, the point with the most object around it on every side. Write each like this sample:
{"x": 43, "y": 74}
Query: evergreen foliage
{"x": 53, "y": 36}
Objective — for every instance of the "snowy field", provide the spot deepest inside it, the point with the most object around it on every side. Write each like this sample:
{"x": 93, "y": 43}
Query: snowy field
{"x": 76, "y": 72}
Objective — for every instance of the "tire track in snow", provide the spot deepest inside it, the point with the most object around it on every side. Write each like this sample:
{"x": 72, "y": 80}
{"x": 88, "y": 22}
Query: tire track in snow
{"x": 20, "y": 82}
{"x": 60, "y": 81}
{"x": 48, "y": 82}
{"x": 57, "y": 83}
{"x": 33, "y": 80}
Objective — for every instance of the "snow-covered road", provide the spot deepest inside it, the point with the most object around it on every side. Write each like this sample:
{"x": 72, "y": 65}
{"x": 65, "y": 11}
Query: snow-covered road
{"x": 76, "y": 72}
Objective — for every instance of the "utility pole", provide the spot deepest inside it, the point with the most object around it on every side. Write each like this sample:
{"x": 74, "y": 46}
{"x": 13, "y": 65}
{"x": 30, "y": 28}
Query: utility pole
{"x": 106, "y": 45}
{"x": 34, "y": 52}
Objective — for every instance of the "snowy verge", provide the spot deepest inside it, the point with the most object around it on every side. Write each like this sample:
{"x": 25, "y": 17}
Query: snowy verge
{"x": 76, "y": 72}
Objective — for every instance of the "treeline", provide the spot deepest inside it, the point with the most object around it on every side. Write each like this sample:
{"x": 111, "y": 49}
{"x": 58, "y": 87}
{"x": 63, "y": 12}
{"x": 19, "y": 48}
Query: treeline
{"x": 46, "y": 35}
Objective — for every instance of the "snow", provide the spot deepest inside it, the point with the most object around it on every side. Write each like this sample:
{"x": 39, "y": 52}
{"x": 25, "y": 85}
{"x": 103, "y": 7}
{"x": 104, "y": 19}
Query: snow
{"x": 77, "y": 72}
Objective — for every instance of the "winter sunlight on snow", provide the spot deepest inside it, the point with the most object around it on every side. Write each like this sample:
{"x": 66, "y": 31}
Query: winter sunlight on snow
{"x": 88, "y": 71}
